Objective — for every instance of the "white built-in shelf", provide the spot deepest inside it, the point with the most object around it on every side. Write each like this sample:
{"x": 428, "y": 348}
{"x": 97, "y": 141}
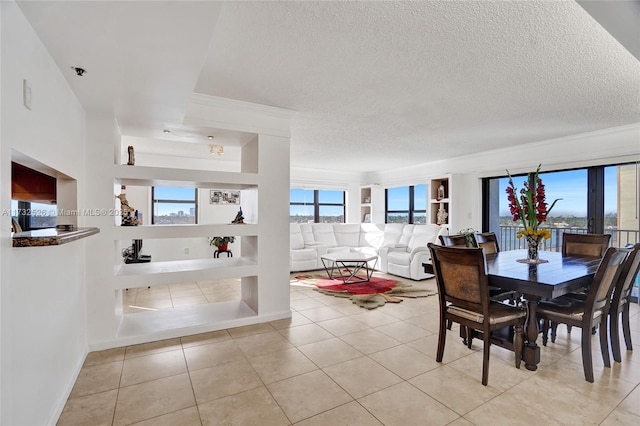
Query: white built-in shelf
{"x": 174, "y": 271}
{"x": 184, "y": 231}
{"x": 160, "y": 176}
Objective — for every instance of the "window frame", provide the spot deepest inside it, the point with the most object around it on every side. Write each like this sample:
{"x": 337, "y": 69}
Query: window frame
{"x": 317, "y": 204}
{"x": 411, "y": 211}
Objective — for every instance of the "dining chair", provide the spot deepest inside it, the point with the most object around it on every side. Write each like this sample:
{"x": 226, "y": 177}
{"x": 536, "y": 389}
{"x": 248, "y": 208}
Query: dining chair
{"x": 487, "y": 241}
{"x": 463, "y": 293}
{"x": 620, "y": 302}
{"x": 591, "y": 312}
{"x": 585, "y": 244}
{"x": 455, "y": 240}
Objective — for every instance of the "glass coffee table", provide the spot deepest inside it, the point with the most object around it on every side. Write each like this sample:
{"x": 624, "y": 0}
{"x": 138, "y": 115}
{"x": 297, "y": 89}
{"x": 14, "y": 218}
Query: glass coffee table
{"x": 348, "y": 265}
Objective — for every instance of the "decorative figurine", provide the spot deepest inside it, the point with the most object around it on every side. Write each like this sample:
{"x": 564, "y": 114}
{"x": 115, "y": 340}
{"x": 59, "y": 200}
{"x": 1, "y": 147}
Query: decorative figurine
{"x": 127, "y": 212}
{"x": 239, "y": 217}
{"x": 441, "y": 192}
{"x": 132, "y": 159}
{"x": 441, "y": 218}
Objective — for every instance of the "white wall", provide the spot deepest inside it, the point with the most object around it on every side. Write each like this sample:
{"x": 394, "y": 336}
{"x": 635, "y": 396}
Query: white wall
{"x": 42, "y": 295}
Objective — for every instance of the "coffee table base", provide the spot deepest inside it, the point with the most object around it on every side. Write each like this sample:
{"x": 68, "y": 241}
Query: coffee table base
{"x": 348, "y": 269}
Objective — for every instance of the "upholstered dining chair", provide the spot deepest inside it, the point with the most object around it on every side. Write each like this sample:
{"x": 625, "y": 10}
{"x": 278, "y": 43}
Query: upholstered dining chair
{"x": 455, "y": 240}
{"x": 620, "y": 302}
{"x": 463, "y": 293}
{"x": 585, "y": 244}
{"x": 487, "y": 241}
{"x": 587, "y": 314}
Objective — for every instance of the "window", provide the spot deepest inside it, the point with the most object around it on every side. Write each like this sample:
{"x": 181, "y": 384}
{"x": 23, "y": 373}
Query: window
{"x": 171, "y": 205}
{"x": 595, "y": 200}
{"x": 406, "y": 204}
{"x": 316, "y": 206}
{"x": 32, "y": 215}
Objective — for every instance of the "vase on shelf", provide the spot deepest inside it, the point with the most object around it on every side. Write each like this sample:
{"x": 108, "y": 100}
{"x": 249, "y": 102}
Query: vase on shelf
{"x": 223, "y": 247}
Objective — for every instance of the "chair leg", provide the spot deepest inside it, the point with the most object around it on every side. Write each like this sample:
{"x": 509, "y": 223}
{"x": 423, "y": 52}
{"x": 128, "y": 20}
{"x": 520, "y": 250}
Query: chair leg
{"x": 545, "y": 332}
{"x": 518, "y": 343}
{"x": 469, "y": 338}
{"x": 625, "y": 327}
{"x": 485, "y": 359}
{"x": 615, "y": 336}
{"x": 587, "y": 362}
{"x": 442, "y": 336}
{"x": 604, "y": 341}
{"x": 554, "y": 329}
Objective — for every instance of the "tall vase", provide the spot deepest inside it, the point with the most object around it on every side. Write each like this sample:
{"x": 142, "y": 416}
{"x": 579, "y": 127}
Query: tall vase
{"x": 533, "y": 245}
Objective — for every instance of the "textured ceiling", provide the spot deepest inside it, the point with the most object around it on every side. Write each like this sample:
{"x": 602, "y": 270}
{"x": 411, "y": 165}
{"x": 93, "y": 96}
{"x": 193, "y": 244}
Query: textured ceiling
{"x": 377, "y": 85}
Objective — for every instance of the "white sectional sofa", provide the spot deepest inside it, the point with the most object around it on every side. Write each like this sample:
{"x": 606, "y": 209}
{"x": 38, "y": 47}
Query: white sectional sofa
{"x": 401, "y": 249}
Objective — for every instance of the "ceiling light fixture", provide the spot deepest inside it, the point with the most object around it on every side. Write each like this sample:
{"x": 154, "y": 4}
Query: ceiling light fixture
{"x": 210, "y": 138}
{"x": 216, "y": 149}
{"x": 166, "y": 131}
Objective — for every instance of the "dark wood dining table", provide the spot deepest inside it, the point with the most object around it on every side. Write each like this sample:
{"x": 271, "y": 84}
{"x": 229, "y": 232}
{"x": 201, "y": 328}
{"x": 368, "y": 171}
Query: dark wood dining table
{"x": 556, "y": 277}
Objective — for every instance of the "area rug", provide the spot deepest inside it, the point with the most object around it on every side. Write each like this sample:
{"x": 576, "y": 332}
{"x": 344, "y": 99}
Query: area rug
{"x": 369, "y": 295}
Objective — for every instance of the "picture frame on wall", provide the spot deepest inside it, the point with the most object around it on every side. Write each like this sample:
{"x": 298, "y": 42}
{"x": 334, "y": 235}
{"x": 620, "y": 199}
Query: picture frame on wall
{"x": 224, "y": 196}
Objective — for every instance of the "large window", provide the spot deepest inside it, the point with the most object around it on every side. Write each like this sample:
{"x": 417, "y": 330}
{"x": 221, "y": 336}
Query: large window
{"x": 172, "y": 205}
{"x": 406, "y": 204}
{"x": 595, "y": 200}
{"x": 316, "y": 206}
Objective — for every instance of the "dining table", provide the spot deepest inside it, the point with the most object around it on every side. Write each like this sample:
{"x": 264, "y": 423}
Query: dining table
{"x": 555, "y": 276}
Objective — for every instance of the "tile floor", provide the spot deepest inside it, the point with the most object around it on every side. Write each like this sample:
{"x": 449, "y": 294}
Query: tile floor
{"x": 333, "y": 363}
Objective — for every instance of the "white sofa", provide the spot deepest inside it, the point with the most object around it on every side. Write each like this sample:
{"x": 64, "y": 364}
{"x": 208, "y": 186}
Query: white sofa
{"x": 401, "y": 249}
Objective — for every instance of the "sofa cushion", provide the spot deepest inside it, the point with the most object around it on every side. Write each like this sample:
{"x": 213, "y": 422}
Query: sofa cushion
{"x": 347, "y": 234}
{"x": 422, "y": 235}
{"x": 399, "y": 258}
{"x": 392, "y": 233}
{"x": 307, "y": 233}
{"x": 371, "y": 235}
{"x": 295, "y": 237}
{"x": 323, "y": 233}
{"x": 304, "y": 254}
{"x": 407, "y": 233}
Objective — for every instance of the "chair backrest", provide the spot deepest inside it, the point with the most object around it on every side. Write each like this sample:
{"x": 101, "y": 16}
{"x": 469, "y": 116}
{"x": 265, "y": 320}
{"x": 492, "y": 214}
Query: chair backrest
{"x": 487, "y": 241}
{"x": 622, "y": 289}
{"x": 599, "y": 295}
{"x": 585, "y": 244}
{"x": 461, "y": 277}
{"x": 455, "y": 240}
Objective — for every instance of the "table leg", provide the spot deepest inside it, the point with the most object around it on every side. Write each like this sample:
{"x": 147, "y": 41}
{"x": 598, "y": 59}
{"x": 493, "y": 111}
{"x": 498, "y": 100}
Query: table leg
{"x": 531, "y": 350}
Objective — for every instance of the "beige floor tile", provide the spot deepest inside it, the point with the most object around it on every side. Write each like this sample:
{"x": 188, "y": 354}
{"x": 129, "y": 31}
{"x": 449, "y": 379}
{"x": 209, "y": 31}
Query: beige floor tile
{"x": 205, "y": 338}
{"x": 185, "y": 417}
{"x": 149, "y": 305}
{"x": 621, "y": 417}
{"x": 369, "y": 341}
{"x": 224, "y": 380}
{"x": 632, "y": 402}
{"x": 374, "y": 318}
{"x": 453, "y": 348}
{"x": 97, "y": 378}
{"x": 502, "y": 375}
{"x": 183, "y": 286}
{"x": 322, "y": 314}
{"x": 276, "y": 366}
{"x": 212, "y": 354}
{"x": 342, "y": 326}
{"x": 234, "y": 410}
{"x": 458, "y": 392}
{"x": 361, "y": 376}
{"x": 306, "y": 303}
{"x": 151, "y": 399}
{"x": 329, "y": 352}
{"x": 101, "y": 357}
{"x": 305, "y": 334}
{"x": 306, "y": 395}
{"x": 405, "y": 405}
{"x": 153, "y": 348}
{"x": 295, "y": 320}
{"x": 221, "y": 297}
{"x": 262, "y": 343}
{"x": 405, "y": 361}
{"x": 403, "y": 331}
{"x": 184, "y": 293}
{"x": 351, "y": 413}
{"x": 504, "y": 408}
{"x": 95, "y": 409}
{"x": 151, "y": 367}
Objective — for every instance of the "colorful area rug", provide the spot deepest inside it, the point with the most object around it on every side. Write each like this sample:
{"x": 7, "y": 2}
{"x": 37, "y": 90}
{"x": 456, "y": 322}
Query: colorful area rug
{"x": 369, "y": 295}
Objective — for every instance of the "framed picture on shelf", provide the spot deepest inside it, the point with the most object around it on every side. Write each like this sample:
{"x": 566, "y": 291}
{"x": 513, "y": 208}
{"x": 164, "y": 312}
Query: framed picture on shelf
{"x": 224, "y": 196}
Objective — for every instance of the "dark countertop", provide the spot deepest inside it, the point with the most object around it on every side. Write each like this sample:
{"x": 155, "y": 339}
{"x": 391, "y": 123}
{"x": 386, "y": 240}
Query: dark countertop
{"x": 50, "y": 237}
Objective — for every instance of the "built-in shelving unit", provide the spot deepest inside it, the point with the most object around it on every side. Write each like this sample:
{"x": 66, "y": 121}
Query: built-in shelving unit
{"x": 440, "y": 201}
{"x": 365, "y": 204}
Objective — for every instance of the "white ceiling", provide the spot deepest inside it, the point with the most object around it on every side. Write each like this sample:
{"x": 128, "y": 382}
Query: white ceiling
{"x": 377, "y": 85}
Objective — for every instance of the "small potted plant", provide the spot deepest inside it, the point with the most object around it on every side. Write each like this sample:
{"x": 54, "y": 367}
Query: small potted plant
{"x": 221, "y": 242}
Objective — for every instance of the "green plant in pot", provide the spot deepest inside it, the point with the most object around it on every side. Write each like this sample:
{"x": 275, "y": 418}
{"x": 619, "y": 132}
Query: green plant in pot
{"x": 221, "y": 242}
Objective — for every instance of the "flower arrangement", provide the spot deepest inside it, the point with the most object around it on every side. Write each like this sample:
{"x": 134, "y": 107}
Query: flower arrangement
{"x": 530, "y": 206}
